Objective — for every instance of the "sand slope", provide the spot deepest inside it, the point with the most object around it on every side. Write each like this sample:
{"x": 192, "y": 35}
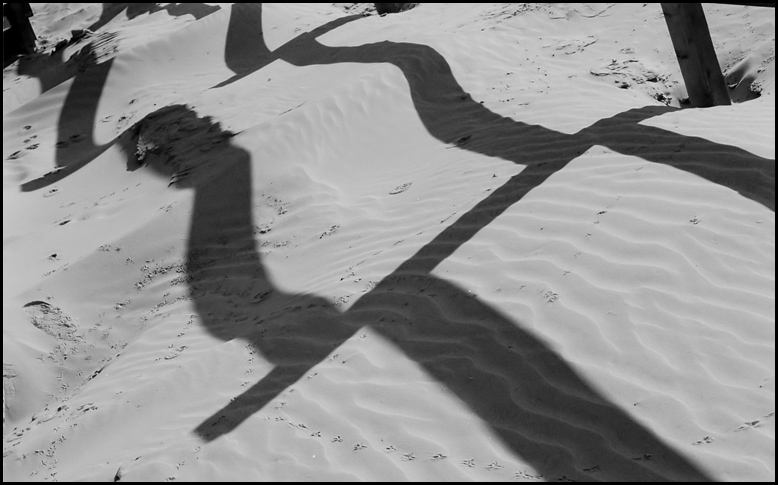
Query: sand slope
{"x": 471, "y": 242}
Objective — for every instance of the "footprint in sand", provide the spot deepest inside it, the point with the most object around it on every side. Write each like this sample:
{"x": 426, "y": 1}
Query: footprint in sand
{"x": 748, "y": 425}
{"x": 329, "y": 232}
{"x": 173, "y": 353}
{"x": 526, "y": 476}
{"x": 51, "y": 320}
{"x": 462, "y": 140}
{"x": 401, "y": 188}
{"x": 564, "y": 478}
{"x": 704, "y": 441}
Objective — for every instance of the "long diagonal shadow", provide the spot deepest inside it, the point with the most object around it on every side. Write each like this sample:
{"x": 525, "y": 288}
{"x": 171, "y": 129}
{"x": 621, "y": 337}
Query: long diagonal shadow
{"x": 548, "y": 414}
{"x": 550, "y": 392}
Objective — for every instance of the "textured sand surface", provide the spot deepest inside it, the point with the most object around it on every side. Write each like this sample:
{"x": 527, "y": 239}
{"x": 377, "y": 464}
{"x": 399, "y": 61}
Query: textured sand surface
{"x": 463, "y": 242}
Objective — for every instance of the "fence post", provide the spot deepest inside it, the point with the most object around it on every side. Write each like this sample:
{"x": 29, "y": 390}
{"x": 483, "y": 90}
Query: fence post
{"x": 18, "y": 36}
{"x": 696, "y": 55}
{"x": 384, "y": 8}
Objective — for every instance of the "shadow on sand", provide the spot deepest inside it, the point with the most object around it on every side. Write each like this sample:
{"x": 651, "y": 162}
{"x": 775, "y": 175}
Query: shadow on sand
{"x": 90, "y": 68}
{"x": 132, "y": 10}
{"x": 548, "y": 415}
{"x": 52, "y": 69}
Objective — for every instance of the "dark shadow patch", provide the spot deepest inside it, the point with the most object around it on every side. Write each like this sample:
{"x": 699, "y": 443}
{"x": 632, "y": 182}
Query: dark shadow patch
{"x": 134, "y": 10}
{"x": 50, "y": 67}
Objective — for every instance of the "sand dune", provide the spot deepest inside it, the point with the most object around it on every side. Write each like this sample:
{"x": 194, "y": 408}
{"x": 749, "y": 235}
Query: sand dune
{"x": 307, "y": 242}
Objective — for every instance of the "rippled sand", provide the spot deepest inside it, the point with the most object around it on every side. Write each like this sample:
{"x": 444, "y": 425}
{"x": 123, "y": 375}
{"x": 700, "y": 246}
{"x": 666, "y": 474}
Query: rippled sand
{"x": 463, "y": 242}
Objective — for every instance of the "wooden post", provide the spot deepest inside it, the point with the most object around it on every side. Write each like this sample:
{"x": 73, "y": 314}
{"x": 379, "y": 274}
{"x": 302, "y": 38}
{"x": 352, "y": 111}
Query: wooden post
{"x": 18, "y": 36}
{"x": 696, "y": 55}
{"x": 384, "y": 8}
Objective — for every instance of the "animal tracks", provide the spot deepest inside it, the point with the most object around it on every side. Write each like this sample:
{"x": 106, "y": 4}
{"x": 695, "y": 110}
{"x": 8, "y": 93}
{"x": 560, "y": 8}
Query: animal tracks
{"x": 402, "y": 456}
{"x": 329, "y": 232}
{"x": 401, "y": 188}
{"x": 704, "y": 441}
{"x": 173, "y": 353}
{"x": 645, "y": 457}
{"x": 756, "y": 423}
{"x": 525, "y": 475}
{"x": 753, "y": 424}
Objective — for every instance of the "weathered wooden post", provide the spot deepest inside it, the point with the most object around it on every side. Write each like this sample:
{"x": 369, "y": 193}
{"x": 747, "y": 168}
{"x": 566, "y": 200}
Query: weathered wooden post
{"x": 696, "y": 55}
{"x": 384, "y": 8}
{"x": 18, "y": 36}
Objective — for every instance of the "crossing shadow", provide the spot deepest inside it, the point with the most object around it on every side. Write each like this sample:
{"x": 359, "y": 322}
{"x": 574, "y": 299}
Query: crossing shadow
{"x": 449, "y": 113}
{"x": 548, "y": 415}
{"x": 545, "y": 413}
